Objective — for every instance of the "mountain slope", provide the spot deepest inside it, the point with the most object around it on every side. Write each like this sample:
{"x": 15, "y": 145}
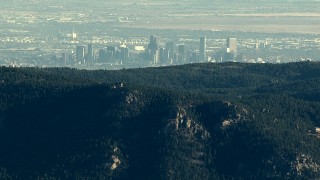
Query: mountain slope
{"x": 200, "y": 121}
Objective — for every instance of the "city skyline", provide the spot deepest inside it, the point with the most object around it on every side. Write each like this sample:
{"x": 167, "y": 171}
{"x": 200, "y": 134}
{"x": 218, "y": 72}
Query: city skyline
{"x": 46, "y": 33}
{"x": 154, "y": 53}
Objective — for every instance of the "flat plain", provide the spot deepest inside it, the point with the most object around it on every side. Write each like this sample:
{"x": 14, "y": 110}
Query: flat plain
{"x": 261, "y": 16}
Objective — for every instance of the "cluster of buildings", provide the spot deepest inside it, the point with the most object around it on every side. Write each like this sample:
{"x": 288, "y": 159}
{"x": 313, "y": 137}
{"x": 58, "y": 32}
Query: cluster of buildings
{"x": 109, "y": 54}
{"x": 112, "y": 37}
{"x": 153, "y": 53}
{"x": 117, "y": 52}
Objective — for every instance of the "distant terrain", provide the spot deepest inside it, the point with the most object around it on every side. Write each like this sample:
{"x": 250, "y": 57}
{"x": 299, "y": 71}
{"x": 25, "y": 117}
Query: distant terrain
{"x": 268, "y": 23}
{"x": 249, "y": 16}
{"x": 196, "y": 121}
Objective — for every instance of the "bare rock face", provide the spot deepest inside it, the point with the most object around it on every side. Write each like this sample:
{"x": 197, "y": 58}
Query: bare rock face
{"x": 186, "y": 126}
{"x": 196, "y": 127}
{"x": 184, "y": 133}
{"x": 115, "y": 159}
{"x": 236, "y": 114}
{"x": 304, "y": 164}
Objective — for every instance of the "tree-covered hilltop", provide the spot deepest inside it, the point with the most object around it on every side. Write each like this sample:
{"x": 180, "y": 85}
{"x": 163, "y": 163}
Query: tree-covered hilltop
{"x": 197, "y": 121}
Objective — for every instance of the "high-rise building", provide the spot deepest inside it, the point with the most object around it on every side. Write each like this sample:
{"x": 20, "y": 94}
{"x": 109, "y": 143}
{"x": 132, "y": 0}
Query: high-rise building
{"x": 109, "y": 57}
{"x": 153, "y": 45}
{"x": 153, "y": 52}
{"x": 113, "y": 49}
{"x": 182, "y": 53}
{"x": 102, "y": 55}
{"x": 163, "y": 56}
{"x": 80, "y": 54}
{"x": 64, "y": 59}
{"x": 231, "y": 53}
{"x": 124, "y": 54}
{"x": 170, "y": 50}
{"x": 166, "y": 57}
{"x": 232, "y": 45}
{"x": 155, "y": 57}
{"x": 202, "y": 49}
{"x": 111, "y": 53}
{"x": 90, "y": 53}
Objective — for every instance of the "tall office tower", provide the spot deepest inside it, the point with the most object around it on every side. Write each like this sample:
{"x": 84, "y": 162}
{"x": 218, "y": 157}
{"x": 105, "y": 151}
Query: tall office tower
{"x": 170, "y": 49}
{"x": 117, "y": 56}
{"x": 231, "y": 53}
{"x": 109, "y": 57}
{"x": 111, "y": 53}
{"x": 124, "y": 54}
{"x": 166, "y": 58}
{"x": 153, "y": 53}
{"x": 90, "y": 53}
{"x": 202, "y": 49}
{"x": 113, "y": 49}
{"x": 102, "y": 55}
{"x": 182, "y": 53}
{"x": 153, "y": 43}
{"x": 163, "y": 55}
{"x": 155, "y": 57}
{"x": 80, "y": 54}
{"x": 64, "y": 59}
{"x": 232, "y": 45}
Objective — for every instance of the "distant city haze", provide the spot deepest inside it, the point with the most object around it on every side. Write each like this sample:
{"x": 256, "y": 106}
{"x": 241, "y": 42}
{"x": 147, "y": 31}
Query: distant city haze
{"x": 244, "y": 15}
{"x": 116, "y": 34}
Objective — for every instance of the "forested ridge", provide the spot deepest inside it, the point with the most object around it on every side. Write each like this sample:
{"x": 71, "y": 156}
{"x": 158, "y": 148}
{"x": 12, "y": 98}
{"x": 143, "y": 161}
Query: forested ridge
{"x": 196, "y": 121}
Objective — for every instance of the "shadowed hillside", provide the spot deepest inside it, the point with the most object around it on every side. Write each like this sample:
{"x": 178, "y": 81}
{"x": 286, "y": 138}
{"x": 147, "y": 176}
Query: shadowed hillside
{"x": 198, "y": 121}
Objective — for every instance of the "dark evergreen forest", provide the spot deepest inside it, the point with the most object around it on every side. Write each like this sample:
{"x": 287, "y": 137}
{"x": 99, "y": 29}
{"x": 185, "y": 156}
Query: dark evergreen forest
{"x": 196, "y": 121}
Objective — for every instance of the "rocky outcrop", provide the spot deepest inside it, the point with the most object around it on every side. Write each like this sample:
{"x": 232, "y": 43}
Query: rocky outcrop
{"x": 304, "y": 164}
{"x": 115, "y": 161}
{"x": 235, "y": 115}
{"x": 186, "y": 125}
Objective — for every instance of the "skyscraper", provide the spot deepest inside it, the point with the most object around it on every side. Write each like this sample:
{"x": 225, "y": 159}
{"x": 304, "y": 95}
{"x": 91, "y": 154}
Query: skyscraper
{"x": 80, "y": 54}
{"x": 153, "y": 43}
{"x": 163, "y": 56}
{"x": 202, "y": 49}
{"x": 232, "y": 45}
{"x": 231, "y": 53}
{"x": 124, "y": 54}
{"x": 90, "y": 53}
{"x": 112, "y": 49}
{"x": 155, "y": 57}
{"x": 102, "y": 55}
{"x": 64, "y": 59}
{"x": 170, "y": 50}
{"x": 153, "y": 53}
{"x": 182, "y": 53}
